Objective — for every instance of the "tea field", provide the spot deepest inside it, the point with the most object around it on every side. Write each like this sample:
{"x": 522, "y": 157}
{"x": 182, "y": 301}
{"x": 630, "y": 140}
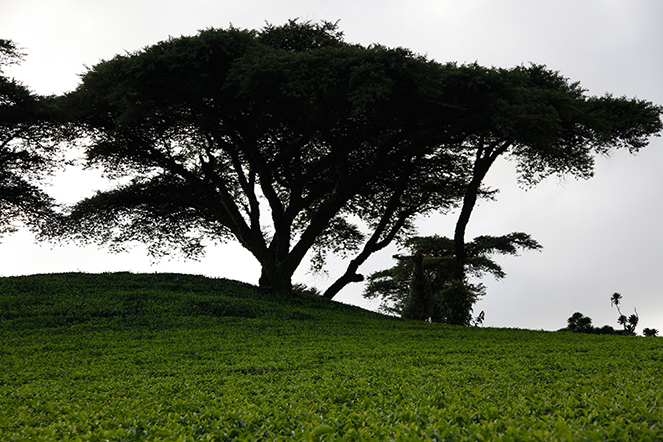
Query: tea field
{"x": 168, "y": 357}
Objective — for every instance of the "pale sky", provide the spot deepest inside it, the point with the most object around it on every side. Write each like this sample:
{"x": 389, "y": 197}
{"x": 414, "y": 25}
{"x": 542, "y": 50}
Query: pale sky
{"x": 599, "y": 236}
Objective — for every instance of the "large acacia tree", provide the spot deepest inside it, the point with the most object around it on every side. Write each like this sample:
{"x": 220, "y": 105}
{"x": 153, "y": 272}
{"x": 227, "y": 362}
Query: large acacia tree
{"x": 289, "y": 140}
{"x": 283, "y": 139}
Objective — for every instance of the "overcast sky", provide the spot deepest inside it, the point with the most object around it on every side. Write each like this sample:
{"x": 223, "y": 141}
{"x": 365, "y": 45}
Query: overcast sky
{"x": 599, "y": 236}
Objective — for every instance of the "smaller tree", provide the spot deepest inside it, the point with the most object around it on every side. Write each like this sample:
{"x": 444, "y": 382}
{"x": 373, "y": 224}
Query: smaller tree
{"x": 422, "y": 285}
{"x": 419, "y": 303}
{"x": 579, "y": 323}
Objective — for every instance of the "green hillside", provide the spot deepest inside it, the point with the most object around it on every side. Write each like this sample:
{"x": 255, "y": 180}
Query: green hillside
{"x": 117, "y": 357}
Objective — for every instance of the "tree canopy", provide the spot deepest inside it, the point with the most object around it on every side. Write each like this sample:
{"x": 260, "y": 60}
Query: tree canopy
{"x": 27, "y": 154}
{"x": 543, "y": 122}
{"x": 284, "y": 139}
{"x": 296, "y": 143}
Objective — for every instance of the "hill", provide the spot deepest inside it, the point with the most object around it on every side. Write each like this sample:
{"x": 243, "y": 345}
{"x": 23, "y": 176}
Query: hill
{"x": 181, "y": 357}
{"x": 157, "y": 300}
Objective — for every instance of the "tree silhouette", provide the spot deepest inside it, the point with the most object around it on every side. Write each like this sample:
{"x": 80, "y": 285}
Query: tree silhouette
{"x": 28, "y": 134}
{"x": 580, "y": 323}
{"x": 650, "y": 332}
{"x": 291, "y": 141}
{"x": 285, "y": 139}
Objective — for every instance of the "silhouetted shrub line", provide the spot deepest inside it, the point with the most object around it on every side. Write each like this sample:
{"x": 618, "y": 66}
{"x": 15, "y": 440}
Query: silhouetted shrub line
{"x": 579, "y": 323}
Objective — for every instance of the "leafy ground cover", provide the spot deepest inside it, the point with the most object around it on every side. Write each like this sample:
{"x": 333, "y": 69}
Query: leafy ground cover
{"x": 175, "y": 357}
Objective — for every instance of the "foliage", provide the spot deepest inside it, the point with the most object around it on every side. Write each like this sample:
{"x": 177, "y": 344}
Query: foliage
{"x": 449, "y": 302}
{"x": 294, "y": 142}
{"x": 177, "y": 357}
{"x": 478, "y": 321}
{"x": 579, "y": 323}
{"x": 26, "y": 150}
{"x": 287, "y": 139}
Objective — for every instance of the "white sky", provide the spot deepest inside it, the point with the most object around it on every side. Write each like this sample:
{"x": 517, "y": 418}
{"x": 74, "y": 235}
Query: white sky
{"x": 599, "y": 236}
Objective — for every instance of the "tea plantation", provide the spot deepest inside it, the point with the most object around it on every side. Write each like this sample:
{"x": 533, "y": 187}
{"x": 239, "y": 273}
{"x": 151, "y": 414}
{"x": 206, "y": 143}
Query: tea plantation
{"x": 121, "y": 357}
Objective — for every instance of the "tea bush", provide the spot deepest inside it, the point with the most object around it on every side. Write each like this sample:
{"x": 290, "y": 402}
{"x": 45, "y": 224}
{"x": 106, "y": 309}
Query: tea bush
{"x": 174, "y": 357}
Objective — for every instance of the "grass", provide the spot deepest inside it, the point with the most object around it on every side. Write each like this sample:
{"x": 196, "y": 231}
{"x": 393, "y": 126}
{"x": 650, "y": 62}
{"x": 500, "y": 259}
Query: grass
{"x": 116, "y": 357}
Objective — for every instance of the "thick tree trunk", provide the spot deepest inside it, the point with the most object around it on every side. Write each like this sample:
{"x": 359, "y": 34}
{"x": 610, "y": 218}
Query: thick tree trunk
{"x": 276, "y": 280}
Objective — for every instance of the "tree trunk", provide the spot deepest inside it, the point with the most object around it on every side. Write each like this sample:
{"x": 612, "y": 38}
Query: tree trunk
{"x": 486, "y": 156}
{"x": 469, "y": 202}
{"x": 419, "y": 304}
{"x": 276, "y": 280}
{"x": 347, "y": 278}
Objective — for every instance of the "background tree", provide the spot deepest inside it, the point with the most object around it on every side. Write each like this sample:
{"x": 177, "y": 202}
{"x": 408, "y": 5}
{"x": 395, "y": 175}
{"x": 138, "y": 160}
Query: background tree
{"x": 420, "y": 303}
{"x": 27, "y": 153}
{"x": 544, "y": 123}
{"x": 650, "y": 332}
{"x": 580, "y": 323}
{"x": 283, "y": 139}
{"x": 445, "y": 299}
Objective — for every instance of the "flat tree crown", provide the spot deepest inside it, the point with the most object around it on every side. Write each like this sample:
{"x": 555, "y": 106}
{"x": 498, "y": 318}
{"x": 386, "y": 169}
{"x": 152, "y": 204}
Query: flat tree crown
{"x": 296, "y": 143}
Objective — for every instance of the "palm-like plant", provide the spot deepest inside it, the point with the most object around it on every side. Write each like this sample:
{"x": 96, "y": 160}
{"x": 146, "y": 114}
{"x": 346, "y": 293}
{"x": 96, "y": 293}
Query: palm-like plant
{"x": 616, "y": 298}
{"x": 629, "y": 323}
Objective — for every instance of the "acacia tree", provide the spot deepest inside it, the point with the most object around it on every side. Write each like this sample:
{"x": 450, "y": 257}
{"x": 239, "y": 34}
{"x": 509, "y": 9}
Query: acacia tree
{"x": 423, "y": 286}
{"x": 285, "y": 138}
{"x": 544, "y": 123}
{"x": 279, "y": 138}
{"x": 27, "y": 155}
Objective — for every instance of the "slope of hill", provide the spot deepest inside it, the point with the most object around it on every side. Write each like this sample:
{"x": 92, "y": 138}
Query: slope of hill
{"x": 180, "y": 357}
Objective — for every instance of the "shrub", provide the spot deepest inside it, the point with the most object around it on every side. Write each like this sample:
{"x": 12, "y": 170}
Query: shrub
{"x": 650, "y": 332}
